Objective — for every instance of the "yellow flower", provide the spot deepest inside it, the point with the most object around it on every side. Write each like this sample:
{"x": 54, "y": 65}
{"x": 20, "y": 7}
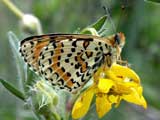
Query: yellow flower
{"x": 110, "y": 87}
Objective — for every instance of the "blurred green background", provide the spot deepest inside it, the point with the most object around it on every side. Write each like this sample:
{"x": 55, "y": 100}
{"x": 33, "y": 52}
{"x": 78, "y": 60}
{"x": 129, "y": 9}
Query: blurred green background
{"x": 140, "y": 22}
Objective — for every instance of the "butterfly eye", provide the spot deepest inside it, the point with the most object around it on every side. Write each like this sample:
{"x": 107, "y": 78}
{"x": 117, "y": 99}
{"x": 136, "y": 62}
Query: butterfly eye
{"x": 117, "y": 39}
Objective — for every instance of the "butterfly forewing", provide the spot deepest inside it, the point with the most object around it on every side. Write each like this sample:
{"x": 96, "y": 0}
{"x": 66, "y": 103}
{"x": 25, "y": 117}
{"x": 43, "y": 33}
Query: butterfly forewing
{"x": 67, "y": 61}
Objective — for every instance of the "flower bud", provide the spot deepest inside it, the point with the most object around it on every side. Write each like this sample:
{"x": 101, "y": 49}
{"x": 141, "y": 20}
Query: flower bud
{"x": 30, "y": 24}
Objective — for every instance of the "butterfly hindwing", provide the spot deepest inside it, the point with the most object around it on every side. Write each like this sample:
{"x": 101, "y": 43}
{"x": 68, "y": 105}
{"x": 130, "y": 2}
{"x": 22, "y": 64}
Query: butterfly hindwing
{"x": 30, "y": 49}
{"x": 67, "y": 61}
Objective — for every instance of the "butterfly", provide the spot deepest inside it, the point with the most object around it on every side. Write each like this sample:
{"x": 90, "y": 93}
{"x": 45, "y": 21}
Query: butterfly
{"x": 68, "y": 61}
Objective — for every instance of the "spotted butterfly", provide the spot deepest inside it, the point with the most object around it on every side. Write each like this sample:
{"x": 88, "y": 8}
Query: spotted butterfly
{"x": 68, "y": 61}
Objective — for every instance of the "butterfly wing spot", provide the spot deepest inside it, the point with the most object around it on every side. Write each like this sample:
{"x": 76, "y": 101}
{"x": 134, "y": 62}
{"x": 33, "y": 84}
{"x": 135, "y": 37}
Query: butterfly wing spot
{"x": 89, "y": 54}
{"x": 28, "y": 45}
{"x": 85, "y": 44}
{"x": 67, "y": 60}
{"x": 74, "y": 43}
{"x": 81, "y": 63}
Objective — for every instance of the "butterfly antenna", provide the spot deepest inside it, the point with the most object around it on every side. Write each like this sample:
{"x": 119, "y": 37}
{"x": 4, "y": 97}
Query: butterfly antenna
{"x": 107, "y": 12}
{"x": 123, "y": 10}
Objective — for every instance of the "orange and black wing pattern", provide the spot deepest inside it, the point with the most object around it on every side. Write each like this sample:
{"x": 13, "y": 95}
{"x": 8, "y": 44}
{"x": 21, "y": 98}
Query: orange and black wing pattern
{"x": 68, "y": 61}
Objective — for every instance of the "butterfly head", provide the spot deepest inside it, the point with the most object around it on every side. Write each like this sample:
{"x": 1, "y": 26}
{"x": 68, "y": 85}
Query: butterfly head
{"x": 119, "y": 40}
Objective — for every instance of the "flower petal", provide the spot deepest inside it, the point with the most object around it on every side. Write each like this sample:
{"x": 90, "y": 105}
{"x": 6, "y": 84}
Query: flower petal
{"x": 125, "y": 72}
{"x": 102, "y": 105}
{"x": 113, "y": 98}
{"x": 135, "y": 97}
{"x": 104, "y": 85}
{"x": 82, "y": 104}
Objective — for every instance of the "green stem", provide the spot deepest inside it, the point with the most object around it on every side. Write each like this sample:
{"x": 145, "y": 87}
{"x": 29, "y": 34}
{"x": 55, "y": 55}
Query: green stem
{"x": 13, "y": 8}
{"x": 52, "y": 116}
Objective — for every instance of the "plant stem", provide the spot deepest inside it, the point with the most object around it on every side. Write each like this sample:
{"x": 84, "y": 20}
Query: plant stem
{"x": 13, "y": 8}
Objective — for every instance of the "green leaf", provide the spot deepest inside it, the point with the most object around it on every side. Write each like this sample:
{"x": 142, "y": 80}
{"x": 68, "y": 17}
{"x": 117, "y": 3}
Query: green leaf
{"x": 153, "y": 1}
{"x": 99, "y": 23}
{"x": 91, "y": 31}
{"x": 20, "y": 65}
{"x": 95, "y": 27}
{"x": 12, "y": 89}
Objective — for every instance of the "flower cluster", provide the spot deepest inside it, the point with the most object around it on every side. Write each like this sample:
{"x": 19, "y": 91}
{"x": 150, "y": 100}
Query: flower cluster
{"x": 110, "y": 87}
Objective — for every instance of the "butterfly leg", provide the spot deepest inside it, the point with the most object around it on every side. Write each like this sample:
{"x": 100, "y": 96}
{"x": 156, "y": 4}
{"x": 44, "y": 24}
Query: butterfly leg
{"x": 123, "y": 62}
